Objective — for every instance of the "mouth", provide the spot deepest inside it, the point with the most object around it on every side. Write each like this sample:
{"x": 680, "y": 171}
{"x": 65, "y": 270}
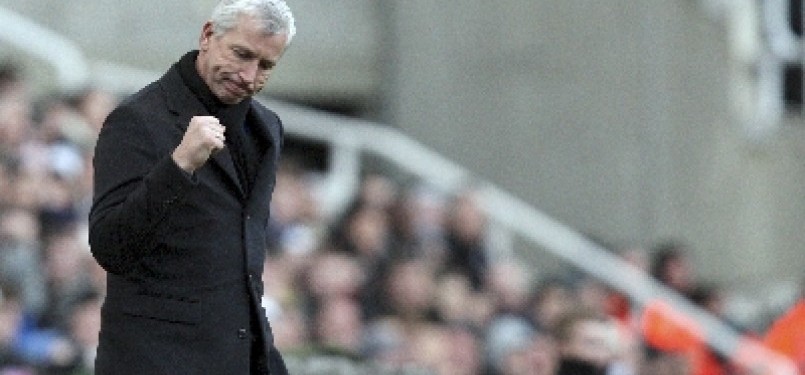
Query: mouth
{"x": 234, "y": 88}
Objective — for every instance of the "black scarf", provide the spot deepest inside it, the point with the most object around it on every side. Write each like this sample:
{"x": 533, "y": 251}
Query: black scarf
{"x": 233, "y": 116}
{"x": 187, "y": 69}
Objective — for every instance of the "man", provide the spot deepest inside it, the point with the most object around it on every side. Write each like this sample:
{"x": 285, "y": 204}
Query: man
{"x": 184, "y": 171}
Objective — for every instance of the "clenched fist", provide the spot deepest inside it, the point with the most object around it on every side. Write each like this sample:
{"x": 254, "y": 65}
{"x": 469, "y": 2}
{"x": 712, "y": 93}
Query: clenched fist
{"x": 203, "y": 137}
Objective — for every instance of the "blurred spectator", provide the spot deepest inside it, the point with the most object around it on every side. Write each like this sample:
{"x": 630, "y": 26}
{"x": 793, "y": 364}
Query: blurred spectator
{"x": 672, "y": 267}
{"x": 787, "y": 333}
{"x": 710, "y": 298}
{"x": 24, "y": 347}
{"x": 295, "y": 222}
{"x": 549, "y": 301}
{"x": 20, "y": 264}
{"x": 334, "y": 275}
{"x": 84, "y": 323}
{"x": 377, "y": 191}
{"x": 618, "y": 304}
{"x": 418, "y": 223}
{"x": 60, "y": 122}
{"x": 283, "y": 302}
{"x": 467, "y": 239}
{"x": 68, "y": 269}
{"x": 541, "y": 358}
{"x": 592, "y": 295}
{"x": 291, "y": 334}
{"x": 464, "y": 356}
{"x": 443, "y": 349}
{"x": 12, "y": 359}
{"x": 281, "y": 292}
{"x": 456, "y": 303}
{"x": 406, "y": 332}
{"x": 509, "y": 284}
{"x": 334, "y": 282}
{"x": 509, "y": 339}
{"x": 671, "y": 339}
{"x": 12, "y": 82}
{"x": 385, "y": 342}
{"x": 338, "y": 326}
{"x": 365, "y": 228}
{"x": 57, "y": 208}
{"x": 410, "y": 288}
{"x": 16, "y": 124}
{"x": 7, "y": 172}
{"x": 93, "y": 105}
{"x": 584, "y": 341}
{"x": 452, "y": 297}
{"x": 427, "y": 345}
{"x": 365, "y": 234}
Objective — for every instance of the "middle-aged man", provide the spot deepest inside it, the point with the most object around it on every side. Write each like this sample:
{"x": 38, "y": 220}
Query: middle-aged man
{"x": 184, "y": 172}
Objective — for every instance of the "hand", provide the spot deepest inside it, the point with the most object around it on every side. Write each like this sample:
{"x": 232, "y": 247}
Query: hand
{"x": 203, "y": 137}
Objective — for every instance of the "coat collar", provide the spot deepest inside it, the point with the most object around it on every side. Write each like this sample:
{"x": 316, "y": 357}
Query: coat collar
{"x": 183, "y": 104}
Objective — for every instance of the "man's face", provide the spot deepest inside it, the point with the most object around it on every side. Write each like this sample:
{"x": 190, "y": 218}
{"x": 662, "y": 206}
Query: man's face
{"x": 236, "y": 64}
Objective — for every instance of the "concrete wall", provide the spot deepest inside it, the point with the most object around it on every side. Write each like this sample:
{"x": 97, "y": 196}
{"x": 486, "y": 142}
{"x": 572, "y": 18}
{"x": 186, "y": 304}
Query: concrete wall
{"x": 333, "y": 54}
{"x": 612, "y": 116}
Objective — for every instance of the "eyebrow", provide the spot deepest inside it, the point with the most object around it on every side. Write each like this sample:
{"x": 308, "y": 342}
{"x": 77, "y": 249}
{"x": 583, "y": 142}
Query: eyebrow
{"x": 250, "y": 54}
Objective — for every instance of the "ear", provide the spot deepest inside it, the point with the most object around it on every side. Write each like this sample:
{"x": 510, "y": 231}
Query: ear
{"x": 206, "y": 35}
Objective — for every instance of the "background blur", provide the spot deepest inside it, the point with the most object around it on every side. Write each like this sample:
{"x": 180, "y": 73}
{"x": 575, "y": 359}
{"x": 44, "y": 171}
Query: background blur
{"x": 633, "y": 122}
{"x": 629, "y": 121}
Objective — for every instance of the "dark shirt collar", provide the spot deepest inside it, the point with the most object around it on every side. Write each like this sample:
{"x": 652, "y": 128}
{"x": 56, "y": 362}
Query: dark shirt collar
{"x": 229, "y": 114}
{"x": 187, "y": 70}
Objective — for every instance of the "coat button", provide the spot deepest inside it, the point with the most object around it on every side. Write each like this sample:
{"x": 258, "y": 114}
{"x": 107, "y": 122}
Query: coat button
{"x": 242, "y": 333}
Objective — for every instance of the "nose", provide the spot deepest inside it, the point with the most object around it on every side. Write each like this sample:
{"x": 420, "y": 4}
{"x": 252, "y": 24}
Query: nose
{"x": 249, "y": 71}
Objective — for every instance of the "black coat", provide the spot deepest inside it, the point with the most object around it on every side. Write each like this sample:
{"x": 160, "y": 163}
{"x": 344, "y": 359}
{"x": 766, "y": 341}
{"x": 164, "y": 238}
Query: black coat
{"x": 184, "y": 254}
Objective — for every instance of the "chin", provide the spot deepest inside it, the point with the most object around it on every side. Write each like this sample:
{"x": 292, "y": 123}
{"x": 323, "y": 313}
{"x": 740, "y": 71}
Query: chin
{"x": 229, "y": 100}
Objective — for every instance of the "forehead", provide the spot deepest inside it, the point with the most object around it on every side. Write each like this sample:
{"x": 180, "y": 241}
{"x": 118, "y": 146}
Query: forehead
{"x": 249, "y": 32}
{"x": 246, "y": 24}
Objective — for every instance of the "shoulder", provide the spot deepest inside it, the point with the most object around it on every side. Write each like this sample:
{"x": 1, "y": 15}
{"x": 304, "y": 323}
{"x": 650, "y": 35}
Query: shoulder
{"x": 137, "y": 114}
{"x": 264, "y": 113}
{"x": 155, "y": 95}
{"x": 149, "y": 103}
{"x": 267, "y": 116}
{"x": 146, "y": 100}
{"x": 270, "y": 121}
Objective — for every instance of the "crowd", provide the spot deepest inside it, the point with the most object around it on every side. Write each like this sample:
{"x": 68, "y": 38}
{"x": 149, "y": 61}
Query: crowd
{"x": 404, "y": 278}
{"x": 51, "y": 287}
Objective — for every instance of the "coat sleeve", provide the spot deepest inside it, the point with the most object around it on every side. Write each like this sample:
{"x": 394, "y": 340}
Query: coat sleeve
{"x": 135, "y": 186}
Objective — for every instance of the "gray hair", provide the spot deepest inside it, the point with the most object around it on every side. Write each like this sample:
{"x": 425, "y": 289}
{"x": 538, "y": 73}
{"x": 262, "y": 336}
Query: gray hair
{"x": 275, "y": 15}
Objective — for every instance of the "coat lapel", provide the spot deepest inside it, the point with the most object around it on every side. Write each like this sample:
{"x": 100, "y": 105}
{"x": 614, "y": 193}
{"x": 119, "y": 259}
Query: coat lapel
{"x": 223, "y": 159}
{"x": 263, "y": 128}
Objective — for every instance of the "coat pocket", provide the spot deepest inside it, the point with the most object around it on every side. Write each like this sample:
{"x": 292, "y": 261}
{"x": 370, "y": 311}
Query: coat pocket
{"x": 159, "y": 308}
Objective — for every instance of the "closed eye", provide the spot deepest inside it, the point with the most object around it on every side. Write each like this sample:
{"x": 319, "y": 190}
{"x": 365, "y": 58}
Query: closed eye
{"x": 242, "y": 54}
